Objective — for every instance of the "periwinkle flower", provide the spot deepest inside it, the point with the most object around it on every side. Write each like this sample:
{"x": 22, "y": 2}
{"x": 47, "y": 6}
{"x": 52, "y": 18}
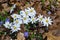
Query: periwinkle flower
{"x": 49, "y": 12}
{"x": 7, "y": 20}
{"x": 26, "y": 34}
{"x": 1, "y": 22}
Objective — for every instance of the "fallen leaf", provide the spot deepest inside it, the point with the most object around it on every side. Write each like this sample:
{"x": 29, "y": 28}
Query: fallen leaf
{"x": 20, "y": 36}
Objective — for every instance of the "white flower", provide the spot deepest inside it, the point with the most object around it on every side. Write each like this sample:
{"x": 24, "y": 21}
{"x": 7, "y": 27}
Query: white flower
{"x": 24, "y": 13}
{"x": 15, "y": 28}
{"x": 47, "y": 21}
{"x": 32, "y": 12}
{"x": 11, "y": 39}
{"x": 12, "y": 8}
{"x": 33, "y": 20}
{"x": 25, "y": 20}
{"x": 27, "y": 12}
{"x": 40, "y": 18}
{"x": 7, "y": 25}
{"x": 14, "y": 16}
{"x": 18, "y": 21}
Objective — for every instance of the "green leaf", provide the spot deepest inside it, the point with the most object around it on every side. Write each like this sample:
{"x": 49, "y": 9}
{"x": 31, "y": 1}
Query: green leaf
{"x": 33, "y": 35}
{"x": 42, "y": 1}
{"x": 27, "y": 3}
{"x": 18, "y": 11}
{"x": 41, "y": 37}
{"x": 2, "y": 18}
{"x": 6, "y": 13}
{"x": 1, "y": 32}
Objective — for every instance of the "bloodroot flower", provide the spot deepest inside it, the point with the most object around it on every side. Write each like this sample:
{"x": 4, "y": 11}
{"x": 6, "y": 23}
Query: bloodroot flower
{"x": 40, "y": 18}
{"x": 47, "y": 21}
{"x": 14, "y": 16}
{"x": 15, "y": 28}
{"x": 32, "y": 12}
{"x": 12, "y": 8}
{"x": 18, "y": 21}
{"x": 7, "y": 25}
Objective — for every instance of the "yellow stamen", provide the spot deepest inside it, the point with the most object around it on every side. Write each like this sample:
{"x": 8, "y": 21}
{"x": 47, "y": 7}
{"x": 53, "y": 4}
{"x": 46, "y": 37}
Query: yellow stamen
{"x": 31, "y": 10}
{"x": 14, "y": 27}
{"x": 16, "y": 21}
{"x": 40, "y": 18}
{"x": 24, "y": 18}
{"x": 47, "y": 21}
{"x": 26, "y": 13}
{"x": 15, "y": 16}
{"x": 32, "y": 19}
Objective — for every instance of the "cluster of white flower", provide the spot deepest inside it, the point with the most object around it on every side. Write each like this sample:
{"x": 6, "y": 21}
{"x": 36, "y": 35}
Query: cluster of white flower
{"x": 26, "y": 16}
{"x": 15, "y": 25}
{"x": 46, "y": 21}
{"x": 29, "y": 16}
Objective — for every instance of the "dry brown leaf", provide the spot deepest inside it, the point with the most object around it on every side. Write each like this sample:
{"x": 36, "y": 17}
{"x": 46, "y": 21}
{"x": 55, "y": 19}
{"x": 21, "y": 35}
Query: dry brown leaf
{"x": 56, "y": 32}
{"x": 20, "y": 36}
{"x": 11, "y": 0}
{"x": 59, "y": 0}
{"x": 51, "y": 37}
{"x": 3, "y": 0}
{"x": 58, "y": 13}
{"x": 47, "y": 3}
{"x": 5, "y": 37}
{"x": 18, "y": 4}
{"x": 28, "y": 5}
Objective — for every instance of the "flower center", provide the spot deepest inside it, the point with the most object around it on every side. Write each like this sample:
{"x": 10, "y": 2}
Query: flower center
{"x": 41, "y": 18}
{"x": 24, "y": 18}
{"x": 15, "y": 16}
{"x": 31, "y": 10}
{"x": 14, "y": 27}
{"x": 16, "y": 21}
{"x": 32, "y": 19}
{"x": 8, "y": 25}
{"x": 47, "y": 21}
{"x": 26, "y": 13}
